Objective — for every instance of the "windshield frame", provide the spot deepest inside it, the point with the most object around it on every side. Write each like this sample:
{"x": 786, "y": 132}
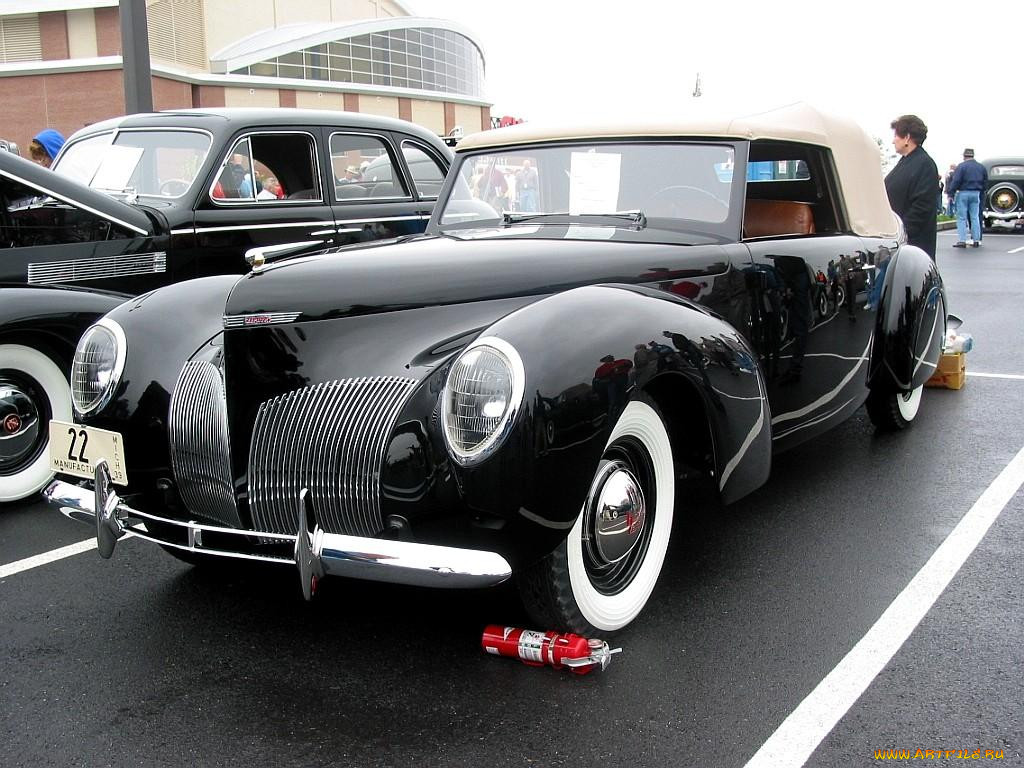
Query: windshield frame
{"x": 727, "y": 230}
{"x": 117, "y": 132}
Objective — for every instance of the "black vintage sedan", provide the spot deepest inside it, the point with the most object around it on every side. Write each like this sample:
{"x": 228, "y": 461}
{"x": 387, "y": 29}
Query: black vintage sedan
{"x": 138, "y": 202}
{"x": 1002, "y": 203}
{"x": 596, "y": 316}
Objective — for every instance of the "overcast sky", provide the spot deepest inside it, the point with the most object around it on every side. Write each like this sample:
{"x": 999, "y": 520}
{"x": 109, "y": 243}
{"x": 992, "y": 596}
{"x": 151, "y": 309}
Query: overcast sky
{"x": 869, "y": 60}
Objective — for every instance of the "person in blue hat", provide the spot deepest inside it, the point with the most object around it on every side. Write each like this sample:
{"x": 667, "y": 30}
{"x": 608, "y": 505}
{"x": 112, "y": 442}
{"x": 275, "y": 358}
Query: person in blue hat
{"x": 45, "y": 146}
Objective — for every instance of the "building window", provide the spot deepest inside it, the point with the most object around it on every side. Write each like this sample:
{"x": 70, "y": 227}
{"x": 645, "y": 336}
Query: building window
{"x": 19, "y": 38}
{"x": 425, "y": 59}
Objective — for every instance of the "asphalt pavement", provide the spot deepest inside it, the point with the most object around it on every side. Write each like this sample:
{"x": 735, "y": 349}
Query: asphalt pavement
{"x": 143, "y": 660}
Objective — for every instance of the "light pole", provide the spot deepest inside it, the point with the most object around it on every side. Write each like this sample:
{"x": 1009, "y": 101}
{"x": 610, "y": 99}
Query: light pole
{"x": 138, "y": 83}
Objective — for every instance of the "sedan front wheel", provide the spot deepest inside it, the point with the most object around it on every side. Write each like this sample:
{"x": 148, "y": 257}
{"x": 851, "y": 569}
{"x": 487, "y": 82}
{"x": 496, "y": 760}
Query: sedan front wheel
{"x": 32, "y": 391}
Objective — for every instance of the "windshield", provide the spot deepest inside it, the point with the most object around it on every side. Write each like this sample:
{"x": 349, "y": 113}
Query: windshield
{"x": 148, "y": 163}
{"x": 638, "y": 191}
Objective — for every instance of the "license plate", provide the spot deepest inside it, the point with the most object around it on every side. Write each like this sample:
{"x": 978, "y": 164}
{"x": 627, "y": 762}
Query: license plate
{"x": 77, "y": 450}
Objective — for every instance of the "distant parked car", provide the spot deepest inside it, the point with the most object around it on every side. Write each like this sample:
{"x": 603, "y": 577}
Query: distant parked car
{"x": 516, "y": 393}
{"x": 141, "y": 201}
{"x": 1003, "y": 200}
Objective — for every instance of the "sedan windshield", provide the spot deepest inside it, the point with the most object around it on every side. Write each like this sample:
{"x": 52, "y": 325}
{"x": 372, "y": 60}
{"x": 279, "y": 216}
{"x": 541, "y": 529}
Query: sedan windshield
{"x": 148, "y": 163}
{"x": 652, "y": 191}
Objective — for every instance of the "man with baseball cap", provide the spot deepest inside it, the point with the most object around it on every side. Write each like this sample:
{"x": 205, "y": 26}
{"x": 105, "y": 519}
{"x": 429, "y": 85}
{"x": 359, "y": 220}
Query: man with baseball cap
{"x": 968, "y": 184}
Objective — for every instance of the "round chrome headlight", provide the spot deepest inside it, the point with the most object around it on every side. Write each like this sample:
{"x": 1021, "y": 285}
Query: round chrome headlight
{"x": 97, "y": 367}
{"x": 481, "y": 398}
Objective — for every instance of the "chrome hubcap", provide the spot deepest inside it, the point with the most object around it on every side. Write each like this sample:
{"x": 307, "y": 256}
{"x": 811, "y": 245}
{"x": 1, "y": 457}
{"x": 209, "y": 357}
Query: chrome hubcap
{"x": 616, "y": 514}
{"x": 21, "y": 423}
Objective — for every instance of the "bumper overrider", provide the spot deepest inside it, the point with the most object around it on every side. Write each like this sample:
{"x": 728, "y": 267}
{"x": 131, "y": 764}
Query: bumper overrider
{"x": 314, "y": 551}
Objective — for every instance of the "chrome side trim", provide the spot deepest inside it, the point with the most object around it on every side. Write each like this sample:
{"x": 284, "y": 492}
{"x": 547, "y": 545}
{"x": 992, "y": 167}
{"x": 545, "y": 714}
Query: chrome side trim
{"x": 396, "y": 562}
{"x": 200, "y": 449}
{"x": 342, "y": 222}
{"x": 97, "y": 268}
{"x": 331, "y": 439}
{"x": 266, "y": 318}
{"x": 245, "y": 227}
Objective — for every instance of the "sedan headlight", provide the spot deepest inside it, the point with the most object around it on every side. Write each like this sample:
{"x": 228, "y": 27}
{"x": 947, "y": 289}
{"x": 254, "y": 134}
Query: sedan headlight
{"x": 97, "y": 367}
{"x": 481, "y": 398}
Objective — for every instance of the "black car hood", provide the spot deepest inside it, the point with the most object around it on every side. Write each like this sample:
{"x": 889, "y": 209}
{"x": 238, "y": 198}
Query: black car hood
{"x": 51, "y": 184}
{"x": 434, "y": 271}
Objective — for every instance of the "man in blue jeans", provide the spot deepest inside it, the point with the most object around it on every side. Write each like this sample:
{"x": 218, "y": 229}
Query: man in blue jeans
{"x": 968, "y": 184}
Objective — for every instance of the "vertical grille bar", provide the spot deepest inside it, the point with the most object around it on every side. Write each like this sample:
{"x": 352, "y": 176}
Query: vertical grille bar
{"x": 200, "y": 450}
{"x": 330, "y": 438}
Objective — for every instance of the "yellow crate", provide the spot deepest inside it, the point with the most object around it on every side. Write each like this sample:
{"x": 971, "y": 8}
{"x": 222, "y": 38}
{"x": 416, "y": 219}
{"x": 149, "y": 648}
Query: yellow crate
{"x": 951, "y": 373}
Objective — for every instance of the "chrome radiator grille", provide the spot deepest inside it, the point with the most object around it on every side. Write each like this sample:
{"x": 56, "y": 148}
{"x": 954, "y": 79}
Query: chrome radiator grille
{"x": 329, "y": 438}
{"x": 200, "y": 451}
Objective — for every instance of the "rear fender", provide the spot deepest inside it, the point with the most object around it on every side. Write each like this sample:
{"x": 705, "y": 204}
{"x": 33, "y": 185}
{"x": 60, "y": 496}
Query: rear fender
{"x": 911, "y": 323}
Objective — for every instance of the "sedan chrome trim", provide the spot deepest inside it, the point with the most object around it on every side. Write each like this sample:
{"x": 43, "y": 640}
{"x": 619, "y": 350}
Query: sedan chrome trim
{"x": 342, "y": 222}
{"x": 97, "y": 268}
{"x": 330, "y": 554}
{"x": 246, "y": 227}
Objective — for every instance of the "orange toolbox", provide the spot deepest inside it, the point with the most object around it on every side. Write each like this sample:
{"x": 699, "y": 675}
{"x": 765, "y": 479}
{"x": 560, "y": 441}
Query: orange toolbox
{"x": 951, "y": 373}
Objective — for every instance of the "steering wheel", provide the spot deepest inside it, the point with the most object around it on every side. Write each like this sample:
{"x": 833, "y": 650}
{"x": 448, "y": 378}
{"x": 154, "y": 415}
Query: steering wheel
{"x": 173, "y": 187}
{"x": 684, "y": 202}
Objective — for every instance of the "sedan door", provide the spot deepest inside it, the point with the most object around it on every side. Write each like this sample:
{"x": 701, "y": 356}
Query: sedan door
{"x": 267, "y": 190}
{"x": 375, "y": 196}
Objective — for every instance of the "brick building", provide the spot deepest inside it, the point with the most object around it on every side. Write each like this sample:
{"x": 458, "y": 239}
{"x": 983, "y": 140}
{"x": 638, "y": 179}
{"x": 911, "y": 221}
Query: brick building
{"x": 61, "y": 66}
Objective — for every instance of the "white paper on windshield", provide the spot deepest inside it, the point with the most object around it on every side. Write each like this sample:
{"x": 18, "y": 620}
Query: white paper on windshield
{"x": 117, "y": 167}
{"x": 594, "y": 182}
{"x": 575, "y": 232}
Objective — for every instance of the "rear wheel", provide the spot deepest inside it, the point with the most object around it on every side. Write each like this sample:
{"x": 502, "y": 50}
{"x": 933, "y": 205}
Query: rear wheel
{"x": 33, "y": 390}
{"x": 894, "y": 411}
{"x": 601, "y": 576}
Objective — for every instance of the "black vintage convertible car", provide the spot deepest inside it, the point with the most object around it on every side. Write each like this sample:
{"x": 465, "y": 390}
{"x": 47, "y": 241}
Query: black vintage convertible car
{"x": 593, "y": 313}
{"x": 1002, "y": 203}
{"x": 138, "y": 202}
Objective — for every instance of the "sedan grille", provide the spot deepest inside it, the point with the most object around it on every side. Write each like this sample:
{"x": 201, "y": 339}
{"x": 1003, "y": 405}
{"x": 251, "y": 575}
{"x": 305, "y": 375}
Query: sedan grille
{"x": 329, "y": 438}
{"x": 200, "y": 451}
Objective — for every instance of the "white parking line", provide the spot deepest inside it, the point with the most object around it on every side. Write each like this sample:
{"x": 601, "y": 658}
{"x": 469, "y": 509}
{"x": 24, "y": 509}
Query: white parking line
{"x": 1015, "y": 376}
{"x": 46, "y": 557}
{"x": 800, "y": 734}
{"x": 1017, "y": 250}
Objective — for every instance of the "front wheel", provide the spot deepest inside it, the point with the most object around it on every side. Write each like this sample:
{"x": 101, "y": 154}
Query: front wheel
{"x": 33, "y": 390}
{"x": 894, "y": 411}
{"x": 601, "y": 576}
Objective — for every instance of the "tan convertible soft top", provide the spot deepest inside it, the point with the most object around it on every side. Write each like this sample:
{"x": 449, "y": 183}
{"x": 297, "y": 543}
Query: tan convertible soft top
{"x": 856, "y": 155}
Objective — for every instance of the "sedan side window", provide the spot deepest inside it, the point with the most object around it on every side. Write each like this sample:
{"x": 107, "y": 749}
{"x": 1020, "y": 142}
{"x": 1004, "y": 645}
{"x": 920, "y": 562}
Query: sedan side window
{"x": 268, "y": 168}
{"x": 363, "y": 168}
{"x": 427, "y": 173}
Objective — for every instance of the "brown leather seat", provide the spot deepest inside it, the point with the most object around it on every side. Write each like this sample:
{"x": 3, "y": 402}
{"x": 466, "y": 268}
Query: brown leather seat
{"x": 764, "y": 218}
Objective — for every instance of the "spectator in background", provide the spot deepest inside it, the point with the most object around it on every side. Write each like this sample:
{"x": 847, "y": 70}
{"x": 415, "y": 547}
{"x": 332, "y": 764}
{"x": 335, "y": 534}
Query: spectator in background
{"x": 968, "y": 183}
{"x": 938, "y": 203}
{"x": 526, "y": 184}
{"x": 913, "y": 185}
{"x": 45, "y": 146}
{"x": 950, "y": 211}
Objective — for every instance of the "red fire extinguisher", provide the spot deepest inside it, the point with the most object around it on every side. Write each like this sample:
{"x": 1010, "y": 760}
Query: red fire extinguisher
{"x": 578, "y": 653}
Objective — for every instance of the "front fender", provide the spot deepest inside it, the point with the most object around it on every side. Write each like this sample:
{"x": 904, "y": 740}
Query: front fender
{"x": 585, "y": 353}
{"x": 911, "y": 323}
{"x": 56, "y": 316}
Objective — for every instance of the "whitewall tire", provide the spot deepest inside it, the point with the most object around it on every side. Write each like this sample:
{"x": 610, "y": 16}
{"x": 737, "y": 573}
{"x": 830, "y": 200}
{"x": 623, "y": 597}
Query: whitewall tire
{"x": 32, "y": 380}
{"x": 602, "y": 575}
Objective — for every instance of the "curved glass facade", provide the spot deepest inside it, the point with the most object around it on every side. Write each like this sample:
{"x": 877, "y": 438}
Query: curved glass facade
{"x": 428, "y": 59}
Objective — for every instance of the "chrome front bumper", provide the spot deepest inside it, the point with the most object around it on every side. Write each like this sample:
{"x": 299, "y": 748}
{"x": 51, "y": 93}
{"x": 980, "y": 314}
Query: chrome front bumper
{"x": 315, "y": 552}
